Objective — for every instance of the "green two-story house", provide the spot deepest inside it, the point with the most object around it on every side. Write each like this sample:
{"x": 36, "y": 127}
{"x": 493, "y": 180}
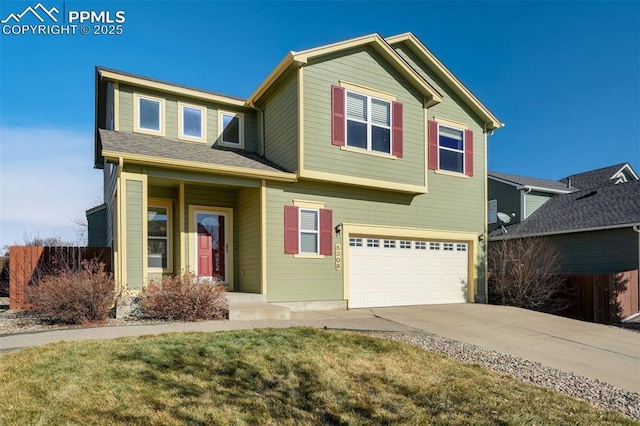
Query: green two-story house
{"x": 353, "y": 176}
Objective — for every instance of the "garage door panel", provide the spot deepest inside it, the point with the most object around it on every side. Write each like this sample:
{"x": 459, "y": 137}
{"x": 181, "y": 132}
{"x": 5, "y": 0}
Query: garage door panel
{"x": 403, "y": 272}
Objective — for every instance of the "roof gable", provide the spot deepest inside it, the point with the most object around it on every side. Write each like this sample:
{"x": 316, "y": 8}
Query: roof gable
{"x": 375, "y": 41}
{"x": 602, "y": 177}
{"x": 416, "y": 46}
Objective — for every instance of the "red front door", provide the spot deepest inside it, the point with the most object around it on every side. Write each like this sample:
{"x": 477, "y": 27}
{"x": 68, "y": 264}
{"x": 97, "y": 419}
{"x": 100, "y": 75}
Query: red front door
{"x": 211, "y": 245}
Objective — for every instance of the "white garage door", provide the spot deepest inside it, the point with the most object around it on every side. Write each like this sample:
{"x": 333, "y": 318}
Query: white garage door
{"x": 394, "y": 272}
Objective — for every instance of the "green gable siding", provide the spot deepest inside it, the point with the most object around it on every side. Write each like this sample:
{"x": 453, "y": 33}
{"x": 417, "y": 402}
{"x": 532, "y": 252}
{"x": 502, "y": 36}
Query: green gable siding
{"x": 534, "y": 200}
{"x": 598, "y": 252}
{"x": 248, "y": 254}
{"x": 125, "y": 111}
{"x": 321, "y": 155}
{"x": 281, "y": 126}
{"x": 134, "y": 237}
{"x": 292, "y": 279}
{"x": 171, "y": 115}
{"x": 508, "y": 200}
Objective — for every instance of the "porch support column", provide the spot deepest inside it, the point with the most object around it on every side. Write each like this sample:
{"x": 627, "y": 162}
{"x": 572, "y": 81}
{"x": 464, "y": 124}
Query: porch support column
{"x": 183, "y": 236}
{"x": 263, "y": 237}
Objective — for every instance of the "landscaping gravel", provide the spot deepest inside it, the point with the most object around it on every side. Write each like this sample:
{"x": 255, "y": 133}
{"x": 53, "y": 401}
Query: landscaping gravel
{"x": 593, "y": 391}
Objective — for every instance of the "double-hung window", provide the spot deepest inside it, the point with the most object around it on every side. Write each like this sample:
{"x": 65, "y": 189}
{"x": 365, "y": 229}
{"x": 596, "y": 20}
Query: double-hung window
{"x": 158, "y": 237}
{"x": 450, "y": 149}
{"x": 149, "y": 114}
{"x": 309, "y": 231}
{"x": 368, "y": 123}
{"x": 192, "y": 122}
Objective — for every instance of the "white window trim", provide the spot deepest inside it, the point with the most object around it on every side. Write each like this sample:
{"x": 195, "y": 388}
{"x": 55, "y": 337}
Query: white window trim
{"x": 221, "y": 141}
{"x": 167, "y": 204}
{"x": 369, "y": 124}
{"x": 203, "y": 122}
{"x": 307, "y": 231}
{"x": 464, "y": 144}
{"x": 136, "y": 115}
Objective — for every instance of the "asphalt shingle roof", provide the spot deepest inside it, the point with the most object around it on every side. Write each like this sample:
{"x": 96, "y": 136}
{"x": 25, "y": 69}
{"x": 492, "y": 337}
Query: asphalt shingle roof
{"x": 172, "y": 149}
{"x": 530, "y": 181}
{"x": 595, "y": 208}
{"x": 594, "y": 178}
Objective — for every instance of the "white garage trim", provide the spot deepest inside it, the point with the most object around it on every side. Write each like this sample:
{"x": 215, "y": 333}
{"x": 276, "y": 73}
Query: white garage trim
{"x": 396, "y": 232}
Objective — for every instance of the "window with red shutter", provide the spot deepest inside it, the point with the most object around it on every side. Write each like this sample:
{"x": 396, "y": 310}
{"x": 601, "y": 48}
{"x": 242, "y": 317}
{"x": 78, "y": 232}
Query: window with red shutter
{"x": 337, "y": 111}
{"x": 291, "y": 245}
{"x": 326, "y": 232}
{"x": 450, "y": 148}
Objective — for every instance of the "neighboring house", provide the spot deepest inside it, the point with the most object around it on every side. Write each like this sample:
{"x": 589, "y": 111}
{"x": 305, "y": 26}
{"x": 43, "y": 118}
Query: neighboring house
{"x": 354, "y": 176}
{"x": 594, "y": 220}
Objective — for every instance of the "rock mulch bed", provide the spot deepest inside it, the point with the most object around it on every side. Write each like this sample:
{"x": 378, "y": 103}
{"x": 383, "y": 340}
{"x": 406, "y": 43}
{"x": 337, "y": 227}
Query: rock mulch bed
{"x": 593, "y": 391}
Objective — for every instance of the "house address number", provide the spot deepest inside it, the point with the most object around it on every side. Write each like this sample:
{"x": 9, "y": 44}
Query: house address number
{"x": 338, "y": 257}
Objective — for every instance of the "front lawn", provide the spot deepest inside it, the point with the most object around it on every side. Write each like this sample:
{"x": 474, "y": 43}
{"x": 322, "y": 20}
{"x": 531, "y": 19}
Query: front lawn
{"x": 288, "y": 376}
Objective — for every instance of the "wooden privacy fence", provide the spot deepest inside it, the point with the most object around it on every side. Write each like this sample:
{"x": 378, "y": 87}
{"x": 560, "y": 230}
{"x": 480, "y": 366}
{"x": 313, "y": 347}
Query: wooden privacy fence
{"x": 603, "y": 298}
{"x": 27, "y": 264}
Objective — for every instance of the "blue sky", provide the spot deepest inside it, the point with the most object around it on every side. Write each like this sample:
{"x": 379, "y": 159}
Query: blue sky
{"x": 563, "y": 76}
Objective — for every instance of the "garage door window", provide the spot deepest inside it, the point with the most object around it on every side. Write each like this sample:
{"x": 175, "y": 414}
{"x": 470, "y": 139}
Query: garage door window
{"x": 421, "y": 245}
{"x": 461, "y": 247}
{"x": 405, "y": 244}
{"x": 448, "y": 246}
{"x": 389, "y": 244}
{"x": 355, "y": 242}
{"x": 434, "y": 246}
{"x": 372, "y": 243}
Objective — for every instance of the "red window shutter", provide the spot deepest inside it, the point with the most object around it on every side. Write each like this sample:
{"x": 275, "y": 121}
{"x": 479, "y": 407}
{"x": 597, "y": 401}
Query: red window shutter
{"x": 468, "y": 152}
{"x": 326, "y": 232}
{"x": 291, "y": 230}
{"x": 396, "y": 137}
{"x": 338, "y": 120}
{"x": 433, "y": 145}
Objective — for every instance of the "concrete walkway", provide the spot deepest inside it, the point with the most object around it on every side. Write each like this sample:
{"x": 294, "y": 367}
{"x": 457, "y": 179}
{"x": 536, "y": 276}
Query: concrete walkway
{"x": 605, "y": 353}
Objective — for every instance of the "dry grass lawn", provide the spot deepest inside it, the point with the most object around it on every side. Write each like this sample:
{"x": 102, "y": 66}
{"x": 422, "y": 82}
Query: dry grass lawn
{"x": 290, "y": 376}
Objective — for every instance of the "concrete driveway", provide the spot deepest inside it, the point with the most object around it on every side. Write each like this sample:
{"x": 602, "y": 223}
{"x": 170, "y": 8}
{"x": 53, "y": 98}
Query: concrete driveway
{"x": 605, "y": 353}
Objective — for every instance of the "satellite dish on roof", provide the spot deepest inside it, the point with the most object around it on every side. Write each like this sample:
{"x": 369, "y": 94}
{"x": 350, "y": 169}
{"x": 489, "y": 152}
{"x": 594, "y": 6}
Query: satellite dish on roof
{"x": 504, "y": 218}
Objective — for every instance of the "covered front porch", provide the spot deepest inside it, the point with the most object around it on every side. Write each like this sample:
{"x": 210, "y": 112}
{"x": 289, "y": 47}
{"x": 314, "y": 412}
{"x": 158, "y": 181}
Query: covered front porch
{"x": 171, "y": 221}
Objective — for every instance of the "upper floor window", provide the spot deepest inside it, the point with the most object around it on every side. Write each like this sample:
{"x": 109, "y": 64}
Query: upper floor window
{"x": 450, "y": 148}
{"x": 368, "y": 123}
{"x": 149, "y": 114}
{"x": 231, "y": 125}
{"x": 362, "y": 120}
{"x": 191, "y": 122}
{"x": 492, "y": 211}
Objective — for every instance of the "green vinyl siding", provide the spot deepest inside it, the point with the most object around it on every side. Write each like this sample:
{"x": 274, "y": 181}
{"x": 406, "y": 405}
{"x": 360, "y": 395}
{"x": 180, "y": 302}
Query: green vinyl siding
{"x": 248, "y": 254}
{"x": 534, "y": 200}
{"x": 126, "y": 115}
{"x": 321, "y": 155}
{"x": 134, "y": 230}
{"x": 292, "y": 279}
{"x": 598, "y": 252}
{"x": 508, "y": 201}
{"x": 451, "y": 108}
{"x": 281, "y": 126}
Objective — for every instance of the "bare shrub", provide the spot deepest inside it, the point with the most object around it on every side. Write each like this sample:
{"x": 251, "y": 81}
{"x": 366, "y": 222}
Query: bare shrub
{"x": 73, "y": 296}
{"x": 185, "y": 298}
{"x": 525, "y": 273}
